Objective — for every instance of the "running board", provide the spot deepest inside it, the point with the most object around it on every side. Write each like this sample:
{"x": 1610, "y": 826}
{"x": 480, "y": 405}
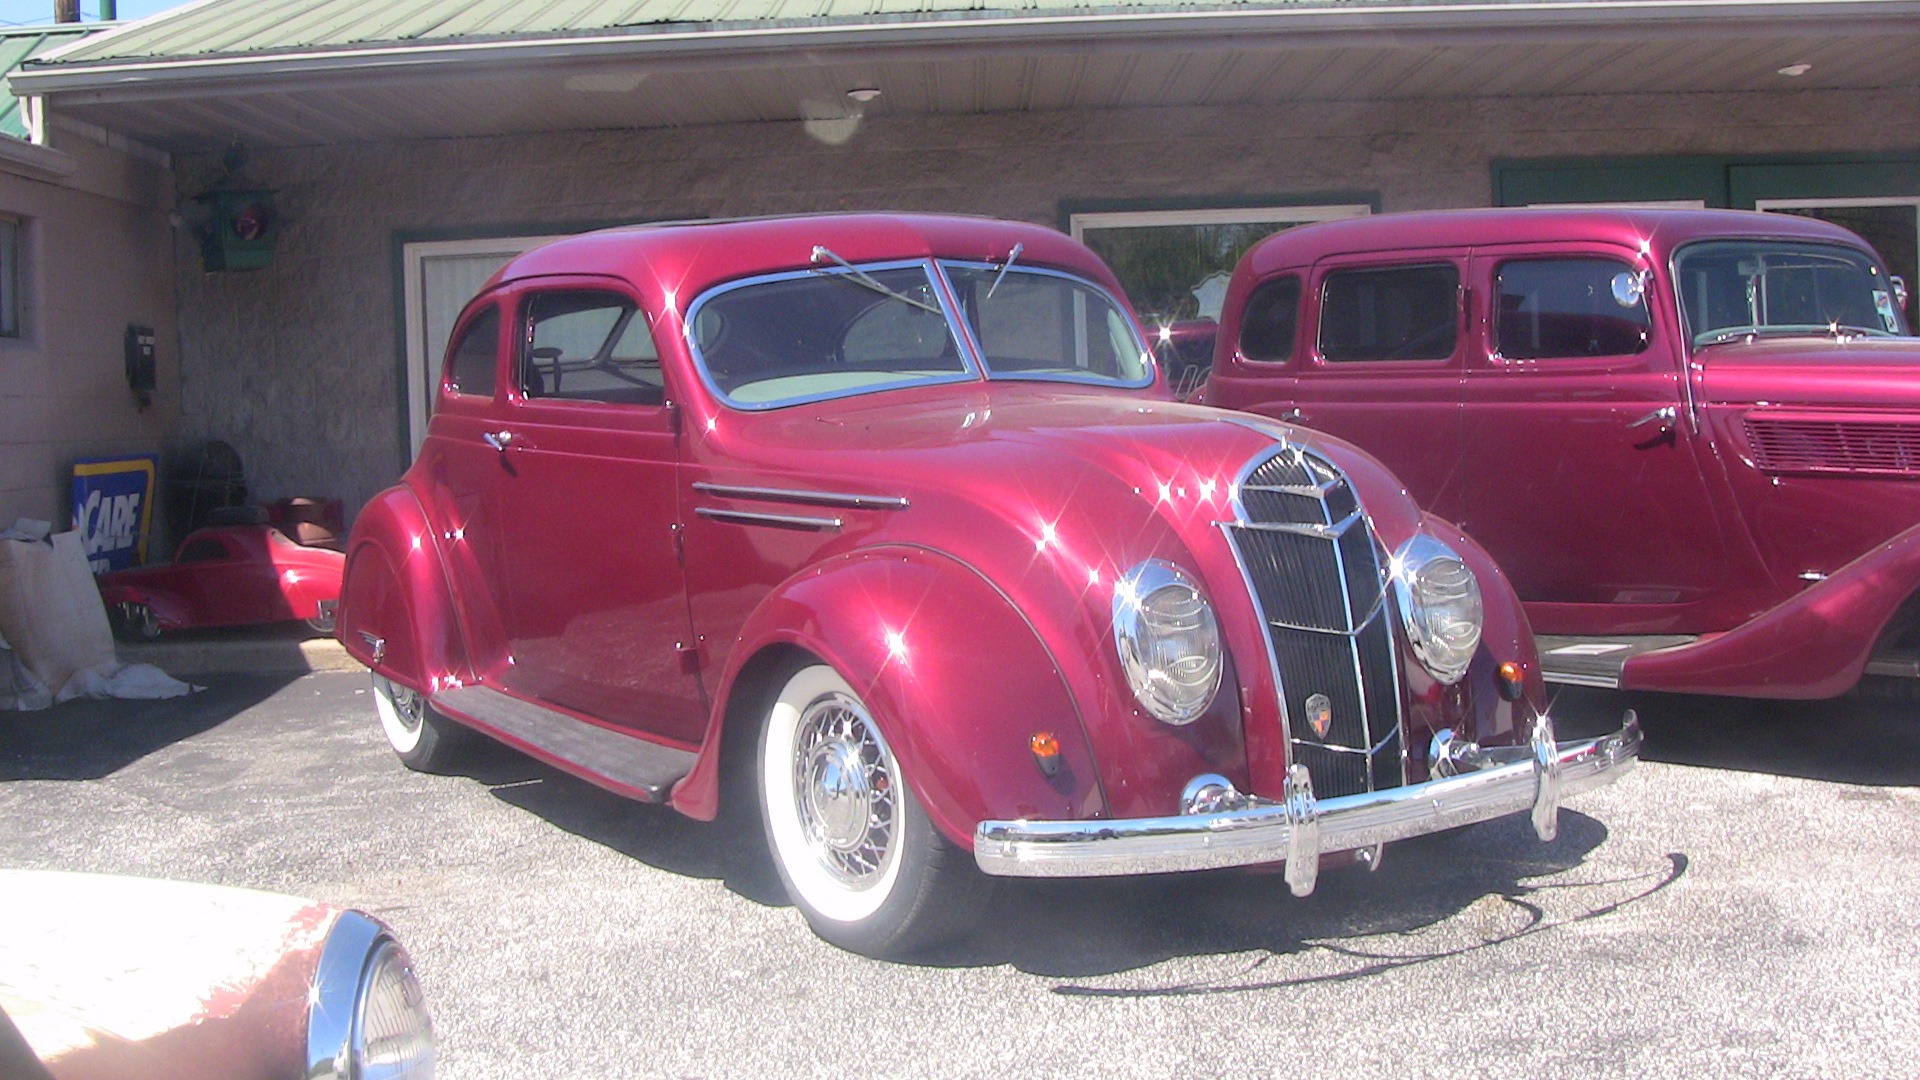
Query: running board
{"x": 627, "y": 764}
{"x": 1598, "y": 661}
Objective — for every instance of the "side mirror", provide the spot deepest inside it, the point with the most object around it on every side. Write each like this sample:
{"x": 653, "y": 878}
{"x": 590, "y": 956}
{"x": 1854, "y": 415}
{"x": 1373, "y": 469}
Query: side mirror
{"x": 1899, "y": 291}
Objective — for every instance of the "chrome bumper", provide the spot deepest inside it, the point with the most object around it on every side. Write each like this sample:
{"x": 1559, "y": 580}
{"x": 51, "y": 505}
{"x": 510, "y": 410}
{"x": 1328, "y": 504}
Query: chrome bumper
{"x": 1240, "y": 830}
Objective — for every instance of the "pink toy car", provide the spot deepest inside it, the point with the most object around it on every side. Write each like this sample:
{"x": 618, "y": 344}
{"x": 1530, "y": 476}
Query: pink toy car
{"x": 227, "y": 575}
{"x": 1690, "y": 438}
{"x": 884, "y": 523}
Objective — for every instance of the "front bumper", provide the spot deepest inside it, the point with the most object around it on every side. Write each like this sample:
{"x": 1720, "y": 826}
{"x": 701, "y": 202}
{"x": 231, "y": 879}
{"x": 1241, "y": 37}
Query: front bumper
{"x": 1298, "y": 829}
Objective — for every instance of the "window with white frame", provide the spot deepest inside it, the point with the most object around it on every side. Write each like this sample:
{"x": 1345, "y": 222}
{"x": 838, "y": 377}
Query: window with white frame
{"x": 11, "y": 239}
{"x": 1890, "y": 225}
{"x": 1175, "y": 264}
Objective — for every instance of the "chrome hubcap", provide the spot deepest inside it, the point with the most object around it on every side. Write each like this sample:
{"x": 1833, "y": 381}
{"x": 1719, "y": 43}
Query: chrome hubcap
{"x": 842, "y": 789}
{"x": 406, "y": 705}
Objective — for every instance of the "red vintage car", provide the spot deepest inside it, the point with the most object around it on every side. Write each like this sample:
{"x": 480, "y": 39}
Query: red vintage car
{"x": 1691, "y": 438}
{"x": 227, "y": 575}
{"x": 885, "y": 523}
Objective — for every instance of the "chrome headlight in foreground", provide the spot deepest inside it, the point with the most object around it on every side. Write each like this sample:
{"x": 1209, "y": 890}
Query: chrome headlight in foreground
{"x": 1168, "y": 641}
{"x": 368, "y": 1019}
{"x": 1440, "y": 604}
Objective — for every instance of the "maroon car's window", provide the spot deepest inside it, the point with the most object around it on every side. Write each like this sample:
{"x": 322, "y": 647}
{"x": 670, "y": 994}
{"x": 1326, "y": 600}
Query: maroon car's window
{"x": 1270, "y": 319}
{"x": 588, "y": 345}
{"x": 471, "y": 371}
{"x": 201, "y": 550}
{"x": 1736, "y": 288}
{"x": 1551, "y": 308}
{"x": 1390, "y": 313}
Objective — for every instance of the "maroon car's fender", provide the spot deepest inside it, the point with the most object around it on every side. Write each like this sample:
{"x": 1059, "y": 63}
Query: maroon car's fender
{"x": 1504, "y": 635}
{"x": 1813, "y": 646}
{"x": 170, "y": 609}
{"x": 952, "y": 673}
{"x": 396, "y": 612}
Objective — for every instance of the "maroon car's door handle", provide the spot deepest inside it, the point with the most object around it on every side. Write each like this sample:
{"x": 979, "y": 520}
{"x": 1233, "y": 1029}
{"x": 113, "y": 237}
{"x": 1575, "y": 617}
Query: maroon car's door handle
{"x": 1293, "y": 416}
{"x": 1664, "y": 415}
{"x": 499, "y": 440}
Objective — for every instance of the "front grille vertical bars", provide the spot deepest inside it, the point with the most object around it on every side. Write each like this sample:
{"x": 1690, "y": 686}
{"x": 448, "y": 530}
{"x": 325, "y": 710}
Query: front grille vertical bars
{"x": 1315, "y": 574}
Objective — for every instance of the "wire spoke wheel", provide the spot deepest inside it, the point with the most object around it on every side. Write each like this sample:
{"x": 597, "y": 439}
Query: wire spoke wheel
{"x": 844, "y": 789}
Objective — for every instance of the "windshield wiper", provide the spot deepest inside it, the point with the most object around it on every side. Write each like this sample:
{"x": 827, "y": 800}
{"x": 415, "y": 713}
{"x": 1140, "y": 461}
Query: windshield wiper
{"x": 861, "y": 277}
{"x": 1004, "y": 267}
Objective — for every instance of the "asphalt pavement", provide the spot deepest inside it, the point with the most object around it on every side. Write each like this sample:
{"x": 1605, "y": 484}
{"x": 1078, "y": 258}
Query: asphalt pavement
{"x": 1742, "y": 904}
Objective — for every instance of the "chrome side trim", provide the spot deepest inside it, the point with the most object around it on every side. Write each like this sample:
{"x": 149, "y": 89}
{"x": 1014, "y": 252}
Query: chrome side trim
{"x": 1567, "y": 679}
{"x": 777, "y": 521}
{"x": 1531, "y": 779}
{"x": 807, "y": 498}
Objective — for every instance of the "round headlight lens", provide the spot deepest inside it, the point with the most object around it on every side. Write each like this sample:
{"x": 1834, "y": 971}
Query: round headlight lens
{"x": 392, "y": 1035}
{"x": 1168, "y": 641}
{"x": 1440, "y": 604}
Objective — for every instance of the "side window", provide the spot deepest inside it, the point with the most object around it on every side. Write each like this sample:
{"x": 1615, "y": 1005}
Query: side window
{"x": 1548, "y": 308}
{"x": 470, "y": 371}
{"x": 588, "y": 346}
{"x": 1268, "y": 322}
{"x": 1390, "y": 313}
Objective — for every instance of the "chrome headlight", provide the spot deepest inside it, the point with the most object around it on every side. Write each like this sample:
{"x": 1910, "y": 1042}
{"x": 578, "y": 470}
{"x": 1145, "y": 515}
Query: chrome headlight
{"x": 1168, "y": 641}
{"x": 368, "y": 1019}
{"x": 1440, "y": 604}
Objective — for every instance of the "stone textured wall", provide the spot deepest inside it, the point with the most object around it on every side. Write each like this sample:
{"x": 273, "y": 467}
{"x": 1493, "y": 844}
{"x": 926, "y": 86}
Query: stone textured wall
{"x": 98, "y": 256}
{"x": 299, "y": 365}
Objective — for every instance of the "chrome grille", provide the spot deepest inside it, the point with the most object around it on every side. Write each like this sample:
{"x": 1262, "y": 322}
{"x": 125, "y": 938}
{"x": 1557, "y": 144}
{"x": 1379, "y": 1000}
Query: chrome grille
{"x": 1804, "y": 444}
{"x": 1314, "y": 570}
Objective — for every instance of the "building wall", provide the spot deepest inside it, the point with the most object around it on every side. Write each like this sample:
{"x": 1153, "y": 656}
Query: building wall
{"x": 299, "y": 365}
{"x": 98, "y": 255}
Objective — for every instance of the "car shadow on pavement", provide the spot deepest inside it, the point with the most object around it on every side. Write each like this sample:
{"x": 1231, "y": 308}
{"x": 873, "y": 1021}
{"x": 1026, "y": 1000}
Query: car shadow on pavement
{"x": 1482, "y": 882}
{"x": 1850, "y": 740}
{"x": 87, "y": 740}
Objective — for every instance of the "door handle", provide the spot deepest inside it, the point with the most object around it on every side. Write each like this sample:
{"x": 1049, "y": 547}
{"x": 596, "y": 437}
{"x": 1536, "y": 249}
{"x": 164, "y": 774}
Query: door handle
{"x": 499, "y": 440}
{"x": 1293, "y": 416}
{"x": 1664, "y": 415}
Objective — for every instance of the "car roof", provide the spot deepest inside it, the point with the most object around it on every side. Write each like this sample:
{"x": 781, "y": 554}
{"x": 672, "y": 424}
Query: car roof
{"x": 1659, "y": 230}
{"x": 684, "y": 258}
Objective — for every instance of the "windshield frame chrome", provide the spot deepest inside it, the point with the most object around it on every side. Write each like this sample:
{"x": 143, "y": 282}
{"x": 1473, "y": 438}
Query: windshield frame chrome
{"x": 963, "y": 342}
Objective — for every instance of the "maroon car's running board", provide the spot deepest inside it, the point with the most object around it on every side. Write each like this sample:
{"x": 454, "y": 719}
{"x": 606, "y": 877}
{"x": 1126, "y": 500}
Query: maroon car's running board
{"x": 1598, "y": 661}
{"x": 622, "y": 763}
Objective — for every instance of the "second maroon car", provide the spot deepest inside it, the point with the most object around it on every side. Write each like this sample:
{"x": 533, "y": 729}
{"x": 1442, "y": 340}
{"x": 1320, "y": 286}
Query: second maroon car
{"x": 884, "y": 523}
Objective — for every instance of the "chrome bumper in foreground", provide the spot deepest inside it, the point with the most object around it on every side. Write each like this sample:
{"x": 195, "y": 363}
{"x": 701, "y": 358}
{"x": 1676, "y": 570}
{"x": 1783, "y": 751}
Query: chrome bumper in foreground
{"x": 1232, "y": 829}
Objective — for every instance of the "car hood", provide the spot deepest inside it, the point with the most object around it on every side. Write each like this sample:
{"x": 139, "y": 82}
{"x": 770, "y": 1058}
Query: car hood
{"x": 1860, "y": 372}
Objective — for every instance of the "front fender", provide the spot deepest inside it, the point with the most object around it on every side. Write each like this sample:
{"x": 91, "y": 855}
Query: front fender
{"x": 1815, "y": 645}
{"x": 952, "y": 673}
{"x": 1505, "y": 636}
{"x": 394, "y": 593}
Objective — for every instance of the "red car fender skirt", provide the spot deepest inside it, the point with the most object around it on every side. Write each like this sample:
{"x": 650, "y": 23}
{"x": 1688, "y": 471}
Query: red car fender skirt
{"x": 1813, "y": 646}
{"x": 953, "y": 674}
{"x": 396, "y": 612}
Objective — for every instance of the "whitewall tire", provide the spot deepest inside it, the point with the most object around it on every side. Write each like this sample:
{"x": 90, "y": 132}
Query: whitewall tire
{"x": 852, "y": 845}
{"x": 422, "y": 738}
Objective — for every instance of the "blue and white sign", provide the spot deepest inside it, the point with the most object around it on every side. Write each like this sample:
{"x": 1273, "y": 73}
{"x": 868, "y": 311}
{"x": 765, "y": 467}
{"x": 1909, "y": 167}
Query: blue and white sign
{"x": 113, "y": 509}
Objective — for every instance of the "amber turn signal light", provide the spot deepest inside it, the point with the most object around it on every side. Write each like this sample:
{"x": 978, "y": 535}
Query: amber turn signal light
{"x": 1513, "y": 681}
{"x": 1046, "y": 751}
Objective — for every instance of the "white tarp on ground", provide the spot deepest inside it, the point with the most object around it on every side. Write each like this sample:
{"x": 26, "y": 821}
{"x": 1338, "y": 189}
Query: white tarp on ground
{"x": 53, "y": 628}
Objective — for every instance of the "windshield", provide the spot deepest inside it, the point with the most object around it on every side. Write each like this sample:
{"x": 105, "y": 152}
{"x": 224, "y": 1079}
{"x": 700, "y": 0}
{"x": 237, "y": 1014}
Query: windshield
{"x": 842, "y": 329}
{"x": 1038, "y": 324}
{"x": 1738, "y": 288}
{"x": 823, "y": 333}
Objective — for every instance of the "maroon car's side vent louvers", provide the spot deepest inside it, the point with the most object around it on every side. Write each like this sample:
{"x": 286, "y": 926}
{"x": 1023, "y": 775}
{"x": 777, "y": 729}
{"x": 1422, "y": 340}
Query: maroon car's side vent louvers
{"x": 1310, "y": 559}
{"x": 1806, "y": 444}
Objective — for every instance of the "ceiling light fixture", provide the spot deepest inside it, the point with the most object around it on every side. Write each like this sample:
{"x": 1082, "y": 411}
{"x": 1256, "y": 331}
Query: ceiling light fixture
{"x": 863, "y": 94}
{"x": 1794, "y": 71}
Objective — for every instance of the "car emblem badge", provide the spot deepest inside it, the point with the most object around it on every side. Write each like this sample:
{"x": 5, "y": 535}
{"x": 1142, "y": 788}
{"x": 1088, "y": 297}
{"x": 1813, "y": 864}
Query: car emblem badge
{"x": 1320, "y": 715}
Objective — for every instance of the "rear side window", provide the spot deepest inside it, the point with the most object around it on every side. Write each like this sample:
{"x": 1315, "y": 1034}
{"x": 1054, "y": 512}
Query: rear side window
{"x": 471, "y": 369}
{"x": 589, "y": 345}
{"x": 1555, "y": 308}
{"x": 1390, "y": 313}
{"x": 1270, "y": 319}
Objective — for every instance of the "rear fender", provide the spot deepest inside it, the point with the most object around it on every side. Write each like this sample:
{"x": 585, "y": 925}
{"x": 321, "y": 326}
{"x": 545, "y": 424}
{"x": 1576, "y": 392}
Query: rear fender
{"x": 169, "y": 609}
{"x": 396, "y": 612}
{"x": 952, "y": 673}
{"x": 1815, "y": 645}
